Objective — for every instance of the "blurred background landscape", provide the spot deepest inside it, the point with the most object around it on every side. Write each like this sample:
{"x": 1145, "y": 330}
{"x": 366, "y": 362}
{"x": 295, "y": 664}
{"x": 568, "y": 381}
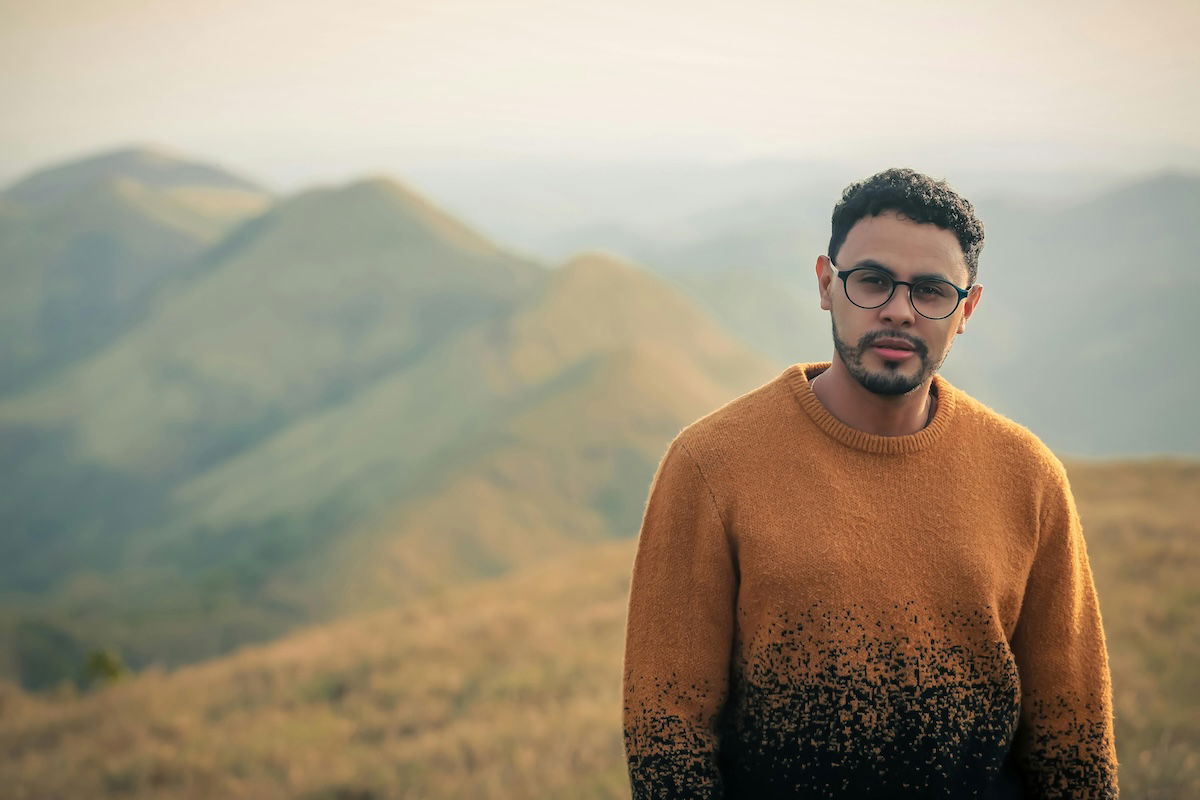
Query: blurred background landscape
{"x": 320, "y": 474}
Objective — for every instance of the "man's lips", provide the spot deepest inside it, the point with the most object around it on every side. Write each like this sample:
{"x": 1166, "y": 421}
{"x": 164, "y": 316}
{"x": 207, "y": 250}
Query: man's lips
{"x": 893, "y": 349}
{"x": 893, "y": 344}
{"x": 893, "y": 355}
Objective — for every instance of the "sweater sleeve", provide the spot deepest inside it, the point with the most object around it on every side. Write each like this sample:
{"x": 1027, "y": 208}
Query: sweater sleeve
{"x": 1064, "y": 744}
{"x": 679, "y": 636}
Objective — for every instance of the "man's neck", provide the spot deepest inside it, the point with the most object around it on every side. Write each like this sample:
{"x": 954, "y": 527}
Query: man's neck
{"x": 883, "y": 415}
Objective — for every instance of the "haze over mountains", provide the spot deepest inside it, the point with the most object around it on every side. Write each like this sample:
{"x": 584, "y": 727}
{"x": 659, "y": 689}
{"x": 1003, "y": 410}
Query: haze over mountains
{"x": 85, "y": 245}
{"x": 1083, "y": 271}
{"x": 347, "y": 400}
{"x": 224, "y": 413}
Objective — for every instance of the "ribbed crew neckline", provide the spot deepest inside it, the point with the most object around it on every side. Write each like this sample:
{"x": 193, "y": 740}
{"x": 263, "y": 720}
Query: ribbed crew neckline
{"x": 798, "y": 376}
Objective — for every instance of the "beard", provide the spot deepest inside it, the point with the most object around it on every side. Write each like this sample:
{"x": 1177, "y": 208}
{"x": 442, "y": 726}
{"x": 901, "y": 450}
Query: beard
{"x": 890, "y": 382}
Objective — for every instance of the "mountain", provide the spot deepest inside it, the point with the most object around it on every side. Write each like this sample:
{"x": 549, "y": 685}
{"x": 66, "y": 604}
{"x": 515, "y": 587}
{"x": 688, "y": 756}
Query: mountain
{"x": 354, "y": 399}
{"x": 510, "y": 687}
{"x": 292, "y": 314}
{"x": 657, "y": 211}
{"x": 588, "y": 381}
{"x": 1079, "y": 313}
{"x": 316, "y": 299}
{"x": 1081, "y": 302}
{"x": 350, "y": 399}
{"x": 153, "y": 167}
{"x": 85, "y": 246}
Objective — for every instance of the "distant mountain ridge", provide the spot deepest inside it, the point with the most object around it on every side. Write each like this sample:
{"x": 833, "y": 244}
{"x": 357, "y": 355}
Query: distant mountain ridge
{"x": 349, "y": 399}
{"x": 85, "y": 246}
{"x": 152, "y": 166}
{"x": 269, "y": 411}
{"x": 1075, "y": 294}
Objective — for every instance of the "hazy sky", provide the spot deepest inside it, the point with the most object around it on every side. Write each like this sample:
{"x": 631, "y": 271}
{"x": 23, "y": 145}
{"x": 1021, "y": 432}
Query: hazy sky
{"x": 292, "y": 90}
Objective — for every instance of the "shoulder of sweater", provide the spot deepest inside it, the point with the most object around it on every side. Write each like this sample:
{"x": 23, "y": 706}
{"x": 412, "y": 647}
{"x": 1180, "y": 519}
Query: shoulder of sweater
{"x": 737, "y": 423}
{"x": 1017, "y": 443}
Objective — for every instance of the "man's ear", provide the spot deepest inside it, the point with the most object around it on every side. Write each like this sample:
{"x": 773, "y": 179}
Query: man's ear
{"x": 969, "y": 305}
{"x": 825, "y": 277}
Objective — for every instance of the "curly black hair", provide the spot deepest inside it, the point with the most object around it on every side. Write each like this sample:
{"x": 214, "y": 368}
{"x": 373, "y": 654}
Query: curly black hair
{"x": 917, "y": 197}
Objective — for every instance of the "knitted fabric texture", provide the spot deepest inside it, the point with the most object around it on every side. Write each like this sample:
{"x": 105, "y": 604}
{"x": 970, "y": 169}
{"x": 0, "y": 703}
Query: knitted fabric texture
{"x": 816, "y": 611}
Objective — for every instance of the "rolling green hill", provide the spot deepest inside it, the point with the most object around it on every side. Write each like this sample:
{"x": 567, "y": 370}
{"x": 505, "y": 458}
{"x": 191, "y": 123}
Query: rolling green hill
{"x": 316, "y": 405}
{"x": 85, "y": 247}
{"x": 346, "y": 407}
{"x": 351, "y": 398}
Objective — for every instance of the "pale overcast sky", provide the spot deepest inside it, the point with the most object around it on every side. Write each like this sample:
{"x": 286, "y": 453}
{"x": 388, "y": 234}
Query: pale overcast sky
{"x": 297, "y": 90}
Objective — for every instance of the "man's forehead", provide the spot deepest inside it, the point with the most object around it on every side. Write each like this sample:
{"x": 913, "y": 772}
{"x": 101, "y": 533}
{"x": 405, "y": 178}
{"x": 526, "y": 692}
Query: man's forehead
{"x": 905, "y": 247}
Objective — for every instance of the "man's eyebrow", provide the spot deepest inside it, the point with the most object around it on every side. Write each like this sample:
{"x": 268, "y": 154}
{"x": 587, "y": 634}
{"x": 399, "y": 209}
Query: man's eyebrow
{"x": 870, "y": 262}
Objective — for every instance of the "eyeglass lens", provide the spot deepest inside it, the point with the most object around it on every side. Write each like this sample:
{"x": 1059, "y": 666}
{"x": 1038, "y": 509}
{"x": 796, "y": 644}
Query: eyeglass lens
{"x": 870, "y": 289}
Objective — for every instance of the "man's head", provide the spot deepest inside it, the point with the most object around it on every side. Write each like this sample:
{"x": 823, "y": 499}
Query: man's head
{"x": 919, "y": 198}
{"x": 905, "y": 226}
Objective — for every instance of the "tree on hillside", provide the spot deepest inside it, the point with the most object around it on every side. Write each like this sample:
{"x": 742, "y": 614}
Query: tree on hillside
{"x": 103, "y": 667}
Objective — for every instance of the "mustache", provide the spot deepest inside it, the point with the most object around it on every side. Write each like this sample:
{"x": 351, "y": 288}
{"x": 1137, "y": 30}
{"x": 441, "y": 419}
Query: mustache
{"x": 869, "y": 339}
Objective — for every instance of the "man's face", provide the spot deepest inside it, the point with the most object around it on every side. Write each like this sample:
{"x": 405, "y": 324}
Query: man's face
{"x": 919, "y": 345}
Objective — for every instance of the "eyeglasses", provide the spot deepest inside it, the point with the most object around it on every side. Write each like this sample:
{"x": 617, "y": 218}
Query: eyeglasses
{"x": 932, "y": 298}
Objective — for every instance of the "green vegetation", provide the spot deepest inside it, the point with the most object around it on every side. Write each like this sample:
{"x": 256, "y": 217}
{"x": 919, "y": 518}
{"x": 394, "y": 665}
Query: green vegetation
{"x": 44, "y": 654}
{"x": 103, "y": 667}
{"x": 351, "y": 400}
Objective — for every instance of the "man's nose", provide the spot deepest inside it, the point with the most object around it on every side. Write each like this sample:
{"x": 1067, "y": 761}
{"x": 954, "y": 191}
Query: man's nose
{"x": 898, "y": 309}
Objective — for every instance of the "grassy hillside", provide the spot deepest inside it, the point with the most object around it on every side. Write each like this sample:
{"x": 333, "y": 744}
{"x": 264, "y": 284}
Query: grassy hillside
{"x": 506, "y": 445}
{"x": 295, "y": 312}
{"x": 353, "y": 399}
{"x": 1142, "y": 523}
{"x": 510, "y": 688}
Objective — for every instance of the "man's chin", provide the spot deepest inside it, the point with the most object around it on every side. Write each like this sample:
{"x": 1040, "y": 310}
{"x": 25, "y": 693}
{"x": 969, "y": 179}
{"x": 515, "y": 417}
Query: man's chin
{"x": 890, "y": 382}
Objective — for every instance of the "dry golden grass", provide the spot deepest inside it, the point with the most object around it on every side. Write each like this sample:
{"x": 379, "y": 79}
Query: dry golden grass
{"x": 511, "y": 688}
{"x": 1142, "y": 523}
{"x": 505, "y": 689}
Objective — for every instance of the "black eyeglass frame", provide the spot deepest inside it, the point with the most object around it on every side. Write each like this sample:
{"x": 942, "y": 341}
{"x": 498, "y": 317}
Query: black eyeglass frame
{"x": 846, "y": 273}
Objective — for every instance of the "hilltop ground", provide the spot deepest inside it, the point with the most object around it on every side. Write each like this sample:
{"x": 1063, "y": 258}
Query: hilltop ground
{"x": 511, "y": 688}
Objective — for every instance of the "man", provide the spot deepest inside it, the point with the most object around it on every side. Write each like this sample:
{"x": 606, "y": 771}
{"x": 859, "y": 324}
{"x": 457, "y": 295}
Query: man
{"x": 858, "y": 581}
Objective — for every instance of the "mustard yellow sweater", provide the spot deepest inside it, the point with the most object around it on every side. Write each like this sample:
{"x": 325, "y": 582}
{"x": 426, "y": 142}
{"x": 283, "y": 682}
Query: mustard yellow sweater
{"x": 816, "y": 611}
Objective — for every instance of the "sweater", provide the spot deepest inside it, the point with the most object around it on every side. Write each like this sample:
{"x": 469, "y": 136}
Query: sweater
{"x": 816, "y": 611}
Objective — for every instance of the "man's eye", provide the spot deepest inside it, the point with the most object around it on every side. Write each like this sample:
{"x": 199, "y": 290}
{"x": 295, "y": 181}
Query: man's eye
{"x": 931, "y": 289}
{"x": 874, "y": 280}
